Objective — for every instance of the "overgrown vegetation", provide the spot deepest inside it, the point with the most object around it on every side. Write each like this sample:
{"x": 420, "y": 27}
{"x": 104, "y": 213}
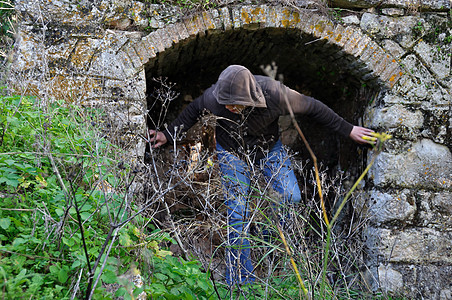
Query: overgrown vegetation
{"x": 69, "y": 226}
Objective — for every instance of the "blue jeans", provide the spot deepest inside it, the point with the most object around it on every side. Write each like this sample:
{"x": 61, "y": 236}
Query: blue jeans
{"x": 236, "y": 179}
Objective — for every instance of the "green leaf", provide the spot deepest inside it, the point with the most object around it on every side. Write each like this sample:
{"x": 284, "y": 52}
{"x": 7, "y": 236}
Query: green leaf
{"x": 85, "y": 215}
{"x": 59, "y": 212}
{"x": 124, "y": 239}
{"x": 63, "y": 275}
{"x": 160, "y": 276}
{"x": 19, "y": 241}
{"x": 54, "y": 269}
{"x": 109, "y": 277}
{"x": 121, "y": 292}
{"x": 5, "y": 222}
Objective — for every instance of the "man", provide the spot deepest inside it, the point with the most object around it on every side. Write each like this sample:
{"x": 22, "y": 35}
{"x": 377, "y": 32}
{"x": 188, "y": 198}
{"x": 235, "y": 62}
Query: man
{"x": 247, "y": 107}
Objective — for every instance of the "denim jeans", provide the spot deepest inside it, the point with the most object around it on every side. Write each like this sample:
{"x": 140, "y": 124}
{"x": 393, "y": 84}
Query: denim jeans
{"x": 236, "y": 179}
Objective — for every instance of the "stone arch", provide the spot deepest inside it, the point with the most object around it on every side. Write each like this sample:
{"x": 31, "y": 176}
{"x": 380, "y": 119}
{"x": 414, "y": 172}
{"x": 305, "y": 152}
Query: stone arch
{"x": 343, "y": 47}
{"x": 371, "y": 60}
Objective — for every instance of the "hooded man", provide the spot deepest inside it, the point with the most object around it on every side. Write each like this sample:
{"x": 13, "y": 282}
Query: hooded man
{"x": 248, "y": 107}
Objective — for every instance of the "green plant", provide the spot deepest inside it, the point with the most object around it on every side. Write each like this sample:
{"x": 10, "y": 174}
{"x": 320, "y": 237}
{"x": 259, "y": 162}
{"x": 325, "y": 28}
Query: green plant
{"x": 65, "y": 230}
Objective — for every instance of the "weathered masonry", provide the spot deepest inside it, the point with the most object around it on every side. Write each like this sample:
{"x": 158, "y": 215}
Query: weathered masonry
{"x": 107, "y": 52}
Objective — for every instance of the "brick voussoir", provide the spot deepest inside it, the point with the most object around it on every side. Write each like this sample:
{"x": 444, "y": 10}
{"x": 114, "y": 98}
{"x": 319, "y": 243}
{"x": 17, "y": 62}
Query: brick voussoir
{"x": 321, "y": 25}
{"x": 290, "y": 18}
{"x": 208, "y": 20}
{"x": 153, "y": 39}
{"x": 133, "y": 56}
{"x": 173, "y": 33}
{"x": 341, "y": 35}
{"x": 195, "y": 25}
{"x": 142, "y": 52}
{"x": 165, "y": 38}
{"x": 307, "y": 23}
{"x": 271, "y": 18}
{"x": 225, "y": 18}
{"x": 236, "y": 18}
{"x": 361, "y": 46}
{"x": 390, "y": 73}
{"x": 253, "y": 14}
{"x": 376, "y": 56}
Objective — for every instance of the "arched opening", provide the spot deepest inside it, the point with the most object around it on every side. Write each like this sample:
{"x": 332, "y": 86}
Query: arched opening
{"x": 308, "y": 65}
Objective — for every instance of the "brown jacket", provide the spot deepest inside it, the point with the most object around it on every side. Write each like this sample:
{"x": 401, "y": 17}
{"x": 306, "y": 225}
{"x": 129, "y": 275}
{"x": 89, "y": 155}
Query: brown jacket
{"x": 256, "y": 129}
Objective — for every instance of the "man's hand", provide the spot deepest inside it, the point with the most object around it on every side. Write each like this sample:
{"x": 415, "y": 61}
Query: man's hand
{"x": 362, "y": 135}
{"x": 156, "y": 138}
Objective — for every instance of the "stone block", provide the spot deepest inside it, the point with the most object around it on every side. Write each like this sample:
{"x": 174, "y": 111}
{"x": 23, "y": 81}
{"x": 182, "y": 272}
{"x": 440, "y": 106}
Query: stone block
{"x": 144, "y": 51}
{"x": 351, "y": 20}
{"x": 391, "y": 73}
{"x": 236, "y": 18}
{"x": 216, "y": 19}
{"x": 435, "y": 209}
{"x": 390, "y": 280}
{"x": 362, "y": 45}
{"x": 165, "y": 38}
{"x": 307, "y": 24}
{"x": 357, "y": 35}
{"x": 59, "y": 51}
{"x": 209, "y": 20}
{"x": 182, "y": 31}
{"x": 394, "y": 12}
{"x": 426, "y": 164}
{"x": 423, "y": 5}
{"x": 409, "y": 245}
{"x": 370, "y": 23}
{"x": 272, "y": 18}
{"x": 379, "y": 64}
{"x": 195, "y": 25}
{"x": 395, "y": 116}
{"x": 322, "y": 27}
{"x": 83, "y": 53}
{"x": 392, "y": 207}
{"x": 111, "y": 65}
{"x": 391, "y": 98}
{"x": 341, "y": 35}
{"x": 393, "y": 48}
{"x": 253, "y": 15}
{"x": 225, "y": 17}
{"x": 73, "y": 89}
{"x": 153, "y": 42}
{"x": 133, "y": 56}
{"x": 377, "y": 56}
{"x": 437, "y": 58}
{"x": 290, "y": 18}
{"x": 173, "y": 34}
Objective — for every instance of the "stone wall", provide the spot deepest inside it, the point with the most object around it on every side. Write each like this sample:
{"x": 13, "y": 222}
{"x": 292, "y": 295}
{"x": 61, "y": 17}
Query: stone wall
{"x": 103, "y": 52}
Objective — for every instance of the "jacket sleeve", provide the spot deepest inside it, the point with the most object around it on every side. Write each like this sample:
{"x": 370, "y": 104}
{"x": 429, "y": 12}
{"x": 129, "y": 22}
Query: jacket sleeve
{"x": 186, "y": 119}
{"x": 302, "y": 104}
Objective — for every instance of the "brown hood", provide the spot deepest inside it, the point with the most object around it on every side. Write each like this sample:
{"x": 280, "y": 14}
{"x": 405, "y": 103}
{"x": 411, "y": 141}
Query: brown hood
{"x": 237, "y": 86}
